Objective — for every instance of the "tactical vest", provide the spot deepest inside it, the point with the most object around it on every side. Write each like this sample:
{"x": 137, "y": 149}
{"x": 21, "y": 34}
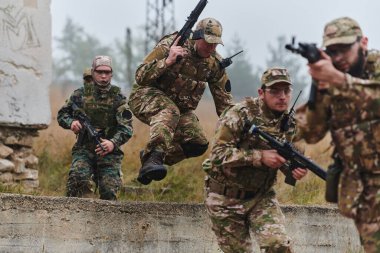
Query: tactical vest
{"x": 249, "y": 177}
{"x": 101, "y": 108}
{"x": 185, "y": 82}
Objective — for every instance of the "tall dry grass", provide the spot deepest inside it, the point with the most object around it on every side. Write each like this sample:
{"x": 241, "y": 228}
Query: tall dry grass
{"x": 184, "y": 182}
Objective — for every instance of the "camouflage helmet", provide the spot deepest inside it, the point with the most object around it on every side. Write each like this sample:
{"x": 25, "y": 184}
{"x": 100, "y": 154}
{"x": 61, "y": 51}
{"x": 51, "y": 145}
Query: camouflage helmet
{"x": 343, "y": 30}
{"x": 101, "y": 60}
{"x": 86, "y": 72}
{"x": 211, "y": 30}
{"x": 275, "y": 75}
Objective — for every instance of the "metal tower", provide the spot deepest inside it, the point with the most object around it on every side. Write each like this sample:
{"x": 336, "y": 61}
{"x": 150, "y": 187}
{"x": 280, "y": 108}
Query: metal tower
{"x": 159, "y": 21}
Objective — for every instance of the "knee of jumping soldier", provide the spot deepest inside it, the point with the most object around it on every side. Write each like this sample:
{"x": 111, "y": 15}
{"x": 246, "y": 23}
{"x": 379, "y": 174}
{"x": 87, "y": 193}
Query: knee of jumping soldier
{"x": 194, "y": 149}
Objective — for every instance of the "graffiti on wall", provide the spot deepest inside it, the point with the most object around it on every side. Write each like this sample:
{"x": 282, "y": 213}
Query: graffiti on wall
{"x": 17, "y": 30}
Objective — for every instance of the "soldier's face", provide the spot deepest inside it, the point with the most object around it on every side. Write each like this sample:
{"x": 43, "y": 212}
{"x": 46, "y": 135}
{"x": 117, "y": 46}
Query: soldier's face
{"x": 277, "y": 96}
{"x": 204, "y": 49}
{"x": 103, "y": 74}
{"x": 349, "y": 58}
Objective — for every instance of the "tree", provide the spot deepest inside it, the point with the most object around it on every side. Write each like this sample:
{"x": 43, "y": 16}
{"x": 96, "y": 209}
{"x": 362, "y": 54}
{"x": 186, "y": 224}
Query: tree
{"x": 244, "y": 79}
{"x": 77, "y": 49}
{"x": 130, "y": 53}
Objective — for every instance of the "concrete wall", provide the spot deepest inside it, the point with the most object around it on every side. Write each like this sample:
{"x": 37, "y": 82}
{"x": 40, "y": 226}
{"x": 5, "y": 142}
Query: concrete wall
{"x": 44, "y": 224}
{"x": 25, "y": 62}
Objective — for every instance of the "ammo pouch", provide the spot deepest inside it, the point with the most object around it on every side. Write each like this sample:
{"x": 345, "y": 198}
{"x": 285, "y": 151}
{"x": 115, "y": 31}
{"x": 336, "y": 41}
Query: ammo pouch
{"x": 332, "y": 179}
{"x": 229, "y": 191}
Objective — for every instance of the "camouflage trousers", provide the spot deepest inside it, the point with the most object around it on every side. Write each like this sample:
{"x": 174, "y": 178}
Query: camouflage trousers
{"x": 171, "y": 131}
{"x": 359, "y": 199}
{"x": 367, "y": 206}
{"x": 233, "y": 219}
{"x": 87, "y": 167}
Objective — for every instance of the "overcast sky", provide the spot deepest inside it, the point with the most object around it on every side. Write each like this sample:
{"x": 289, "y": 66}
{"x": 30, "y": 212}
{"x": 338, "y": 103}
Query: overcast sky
{"x": 256, "y": 22}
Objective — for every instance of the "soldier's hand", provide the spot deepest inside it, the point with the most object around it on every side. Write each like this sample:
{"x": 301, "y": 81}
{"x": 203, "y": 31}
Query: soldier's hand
{"x": 272, "y": 159}
{"x": 175, "y": 51}
{"x": 299, "y": 173}
{"x": 107, "y": 145}
{"x": 76, "y": 126}
{"x": 324, "y": 71}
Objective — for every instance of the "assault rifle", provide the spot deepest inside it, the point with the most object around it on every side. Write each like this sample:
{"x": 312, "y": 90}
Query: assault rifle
{"x": 185, "y": 31}
{"x": 228, "y": 61}
{"x": 311, "y": 52}
{"x": 85, "y": 122}
{"x": 286, "y": 150}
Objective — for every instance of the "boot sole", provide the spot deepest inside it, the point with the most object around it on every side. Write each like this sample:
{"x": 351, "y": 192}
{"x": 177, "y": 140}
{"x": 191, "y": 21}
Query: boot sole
{"x": 156, "y": 174}
{"x": 144, "y": 180}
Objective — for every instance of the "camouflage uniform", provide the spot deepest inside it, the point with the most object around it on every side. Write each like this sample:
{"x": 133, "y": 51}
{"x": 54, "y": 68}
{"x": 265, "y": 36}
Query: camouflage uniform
{"x": 87, "y": 76}
{"x": 352, "y": 114}
{"x": 239, "y": 187}
{"x": 165, "y": 97}
{"x": 108, "y": 112}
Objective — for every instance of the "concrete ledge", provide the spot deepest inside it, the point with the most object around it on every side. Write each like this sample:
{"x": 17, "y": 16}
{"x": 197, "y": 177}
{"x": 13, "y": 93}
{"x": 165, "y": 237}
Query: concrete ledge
{"x": 58, "y": 224}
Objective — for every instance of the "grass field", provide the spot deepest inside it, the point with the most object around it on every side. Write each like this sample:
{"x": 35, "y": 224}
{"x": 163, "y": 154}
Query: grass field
{"x": 184, "y": 182}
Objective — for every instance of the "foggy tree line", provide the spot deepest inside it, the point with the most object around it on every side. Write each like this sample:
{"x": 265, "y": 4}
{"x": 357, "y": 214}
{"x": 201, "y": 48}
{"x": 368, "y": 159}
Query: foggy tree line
{"x": 76, "y": 49}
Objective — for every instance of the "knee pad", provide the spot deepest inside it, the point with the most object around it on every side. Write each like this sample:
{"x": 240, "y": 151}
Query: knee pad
{"x": 194, "y": 150}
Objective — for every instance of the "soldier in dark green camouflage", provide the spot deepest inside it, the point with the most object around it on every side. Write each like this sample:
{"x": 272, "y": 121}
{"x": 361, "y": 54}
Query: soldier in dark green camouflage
{"x": 107, "y": 110}
{"x": 348, "y": 105}
{"x": 242, "y": 170}
{"x": 167, "y": 92}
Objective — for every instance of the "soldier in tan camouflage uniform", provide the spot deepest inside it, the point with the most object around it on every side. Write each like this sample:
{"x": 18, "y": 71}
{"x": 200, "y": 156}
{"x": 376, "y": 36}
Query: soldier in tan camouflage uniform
{"x": 242, "y": 170}
{"x": 167, "y": 92}
{"x": 87, "y": 75}
{"x": 350, "y": 108}
{"x": 107, "y": 111}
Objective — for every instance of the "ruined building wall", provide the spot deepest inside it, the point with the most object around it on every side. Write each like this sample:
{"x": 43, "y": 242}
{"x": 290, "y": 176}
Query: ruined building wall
{"x": 25, "y": 76}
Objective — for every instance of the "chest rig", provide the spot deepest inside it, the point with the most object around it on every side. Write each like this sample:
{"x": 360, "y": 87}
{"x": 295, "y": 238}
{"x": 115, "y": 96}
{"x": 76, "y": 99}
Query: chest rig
{"x": 186, "y": 81}
{"x": 258, "y": 178}
{"x": 100, "y": 107}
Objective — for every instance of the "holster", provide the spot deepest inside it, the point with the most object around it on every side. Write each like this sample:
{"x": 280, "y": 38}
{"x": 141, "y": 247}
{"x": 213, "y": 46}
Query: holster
{"x": 332, "y": 179}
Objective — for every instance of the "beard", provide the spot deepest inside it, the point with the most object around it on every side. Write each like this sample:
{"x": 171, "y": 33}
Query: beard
{"x": 357, "y": 69}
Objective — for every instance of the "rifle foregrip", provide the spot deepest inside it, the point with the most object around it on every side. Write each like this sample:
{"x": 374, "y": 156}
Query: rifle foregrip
{"x": 313, "y": 95}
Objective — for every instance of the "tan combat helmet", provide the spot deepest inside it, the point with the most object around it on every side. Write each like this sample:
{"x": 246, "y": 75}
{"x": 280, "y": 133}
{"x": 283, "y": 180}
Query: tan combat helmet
{"x": 343, "y": 30}
{"x": 212, "y": 30}
{"x": 86, "y": 73}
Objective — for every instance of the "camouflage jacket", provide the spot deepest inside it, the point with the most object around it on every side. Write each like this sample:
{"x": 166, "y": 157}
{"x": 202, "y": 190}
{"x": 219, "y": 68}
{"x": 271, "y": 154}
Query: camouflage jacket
{"x": 235, "y": 158}
{"x": 352, "y": 115}
{"x": 185, "y": 82}
{"x": 108, "y": 112}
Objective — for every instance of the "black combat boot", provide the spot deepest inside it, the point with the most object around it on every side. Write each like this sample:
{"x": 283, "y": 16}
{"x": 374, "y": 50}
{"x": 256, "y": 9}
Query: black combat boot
{"x": 152, "y": 167}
